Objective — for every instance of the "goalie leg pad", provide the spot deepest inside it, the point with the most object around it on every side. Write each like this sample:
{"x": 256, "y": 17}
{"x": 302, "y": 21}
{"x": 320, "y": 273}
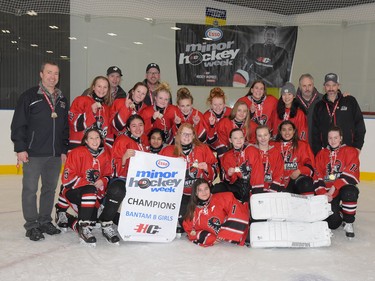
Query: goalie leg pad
{"x": 290, "y": 234}
{"x": 289, "y": 207}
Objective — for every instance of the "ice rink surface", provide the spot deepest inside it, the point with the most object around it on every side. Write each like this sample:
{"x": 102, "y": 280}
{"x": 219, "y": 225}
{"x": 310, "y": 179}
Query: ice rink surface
{"x": 61, "y": 257}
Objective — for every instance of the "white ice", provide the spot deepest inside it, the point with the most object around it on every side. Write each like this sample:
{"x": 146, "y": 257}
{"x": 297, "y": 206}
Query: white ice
{"x": 61, "y": 257}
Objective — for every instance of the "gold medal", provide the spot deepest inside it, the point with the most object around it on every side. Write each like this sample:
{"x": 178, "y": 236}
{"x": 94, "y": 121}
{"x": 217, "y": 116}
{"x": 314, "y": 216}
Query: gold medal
{"x": 160, "y": 115}
{"x": 237, "y": 170}
{"x": 195, "y": 164}
{"x": 193, "y": 233}
{"x": 99, "y": 105}
{"x": 132, "y": 106}
{"x": 53, "y": 115}
{"x": 331, "y": 177}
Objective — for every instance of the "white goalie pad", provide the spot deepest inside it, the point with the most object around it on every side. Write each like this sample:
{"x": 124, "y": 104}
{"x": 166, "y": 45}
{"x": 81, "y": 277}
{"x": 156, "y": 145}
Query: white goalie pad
{"x": 273, "y": 234}
{"x": 289, "y": 207}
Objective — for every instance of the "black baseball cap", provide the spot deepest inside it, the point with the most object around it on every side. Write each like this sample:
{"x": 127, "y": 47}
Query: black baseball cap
{"x": 114, "y": 69}
{"x": 152, "y": 65}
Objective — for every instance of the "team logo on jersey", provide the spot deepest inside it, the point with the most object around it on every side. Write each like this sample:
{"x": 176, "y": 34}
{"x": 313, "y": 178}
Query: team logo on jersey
{"x": 215, "y": 224}
{"x": 336, "y": 171}
{"x": 70, "y": 116}
{"x": 263, "y": 60}
{"x": 66, "y": 174}
{"x": 92, "y": 175}
{"x": 289, "y": 163}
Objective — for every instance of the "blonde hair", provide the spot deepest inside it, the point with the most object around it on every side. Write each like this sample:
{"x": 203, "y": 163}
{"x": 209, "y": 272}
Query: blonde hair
{"x": 178, "y": 147}
{"x": 108, "y": 97}
{"x": 183, "y": 94}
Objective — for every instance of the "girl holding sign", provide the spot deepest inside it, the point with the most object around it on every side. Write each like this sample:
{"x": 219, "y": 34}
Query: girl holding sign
{"x": 200, "y": 161}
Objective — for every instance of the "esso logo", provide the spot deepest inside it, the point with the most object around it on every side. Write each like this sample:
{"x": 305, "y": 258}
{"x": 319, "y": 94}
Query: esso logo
{"x": 214, "y": 33}
{"x": 162, "y": 163}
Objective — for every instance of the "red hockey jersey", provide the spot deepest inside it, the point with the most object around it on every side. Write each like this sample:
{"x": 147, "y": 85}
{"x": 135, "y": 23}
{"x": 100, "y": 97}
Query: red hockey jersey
{"x": 299, "y": 120}
{"x": 198, "y": 154}
{"x": 263, "y": 114}
{"x": 120, "y": 113}
{"x": 222, "y": 218}
{"x": 201, "y": 129}
{"x": 82, "y": 168}
{"x": 81, "y": 117}
{"x": 222, "y": 132}
{"x": 268, "y": 169}
{"x": 336, "y": 168}
{"x": 121, "y": 144}
{"x": 301, "y": 158}
{"x": 164, "y": 123}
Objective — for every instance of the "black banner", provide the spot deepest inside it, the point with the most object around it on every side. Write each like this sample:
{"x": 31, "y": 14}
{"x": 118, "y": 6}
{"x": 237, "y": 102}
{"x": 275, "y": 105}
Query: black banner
{"x": 234, "y": 55}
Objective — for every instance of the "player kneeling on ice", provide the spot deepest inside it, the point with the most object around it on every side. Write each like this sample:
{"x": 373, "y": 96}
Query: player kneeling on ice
{"x": 337, "y": 174}
{"x": 211, "y": 218}
{"x": 85, "y": 178}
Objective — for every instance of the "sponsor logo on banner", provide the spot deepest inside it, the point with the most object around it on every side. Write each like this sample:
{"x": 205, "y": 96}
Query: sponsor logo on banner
{"x": 147, "y": 228}
{"x": 162, "y": 163}
{"x": 214, "y": 33}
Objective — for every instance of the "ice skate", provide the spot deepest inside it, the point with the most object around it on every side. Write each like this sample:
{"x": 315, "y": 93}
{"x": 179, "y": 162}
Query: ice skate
{"x": 110, "y": 233}
{"x": 349, "y": 230}
{"x": 85, "y": 235}
{"x": 61, "y": 220}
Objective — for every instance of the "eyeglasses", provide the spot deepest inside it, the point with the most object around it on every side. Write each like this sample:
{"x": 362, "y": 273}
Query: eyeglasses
{"x": 153, "y": 73}
{"x": 187, "y": 135}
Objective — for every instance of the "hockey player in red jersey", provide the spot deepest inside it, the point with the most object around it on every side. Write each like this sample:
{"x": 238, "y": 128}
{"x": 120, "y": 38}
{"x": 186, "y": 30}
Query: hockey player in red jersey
{"x": 201, "y": 162}
{"x": 123, "y": 108}
{"x": 85, "y": 178}
{"x": 91, "y": 111}
{"x": 212, "y": 218}
{"x": 239, "y": 118}
{"x": 260, "y": 104}
{"x": 267, "y": 172}
{"x": 288, "y": 108}
{"x": 299, "y": 162}
{"x": 236, "y": 169}
{"x": 187, "y": 114}
{"x": 162, "y": 114}
{"x": 218, "y": 110}
{"x": 337, "y": 176}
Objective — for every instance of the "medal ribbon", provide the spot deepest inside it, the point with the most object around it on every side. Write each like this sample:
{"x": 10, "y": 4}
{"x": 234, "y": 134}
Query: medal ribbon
{"x": 48, "y": 101}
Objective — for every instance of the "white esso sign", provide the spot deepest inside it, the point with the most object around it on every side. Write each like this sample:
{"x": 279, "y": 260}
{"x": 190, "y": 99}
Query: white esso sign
{"x": 214, "y": 33}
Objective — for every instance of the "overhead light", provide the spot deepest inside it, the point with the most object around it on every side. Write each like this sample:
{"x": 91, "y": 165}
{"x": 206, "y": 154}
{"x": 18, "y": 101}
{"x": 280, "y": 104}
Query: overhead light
{"x": 111, "y": 34}
{"x": 53, "y": 27}
{"x": 149, "y": 19}
{"x": 175, "y": 28}
{"x": 31, "y": 13}
{"x": 5, "y": 31}
{"x": 33, "y": 45}
{"x": 85, "y": 47}
{"x": 72, "y": 38}
{"x": 13, "y": 42}
{"x": 207, "y": 38}
{"x": 64, "y": 57}
{"x": 138, "y": 43}
{"x": 49, "y": 52}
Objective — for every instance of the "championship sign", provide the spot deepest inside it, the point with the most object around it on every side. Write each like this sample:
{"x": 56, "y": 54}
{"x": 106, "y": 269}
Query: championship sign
{"x": 154, "y": 187}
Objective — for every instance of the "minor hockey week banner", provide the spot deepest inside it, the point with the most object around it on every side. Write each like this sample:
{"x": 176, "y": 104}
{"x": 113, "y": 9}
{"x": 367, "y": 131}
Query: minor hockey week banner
{"x": 234, "y": 55}
{"x": 154, "y": 189}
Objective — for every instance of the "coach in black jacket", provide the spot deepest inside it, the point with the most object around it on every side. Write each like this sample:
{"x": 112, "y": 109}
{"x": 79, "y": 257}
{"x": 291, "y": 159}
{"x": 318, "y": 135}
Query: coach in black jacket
{"x": 335, "y": 109}
{"x": 40, "y": 133}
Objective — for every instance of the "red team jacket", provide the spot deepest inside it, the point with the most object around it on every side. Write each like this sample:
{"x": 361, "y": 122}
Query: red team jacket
{"x": 199, "y": 153}
{"x": 82, "y": 169}
{"x": 121, "y": 144}
{"x": 223, "y": 218}
{"x": 120, "y": 113}
{"x": 343, "y": 163}
{"x": 264, "y": 110}
{"x": 81, "y": 118}
{"x": 301, "y": 158}
{"x": 165, "y": 123}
